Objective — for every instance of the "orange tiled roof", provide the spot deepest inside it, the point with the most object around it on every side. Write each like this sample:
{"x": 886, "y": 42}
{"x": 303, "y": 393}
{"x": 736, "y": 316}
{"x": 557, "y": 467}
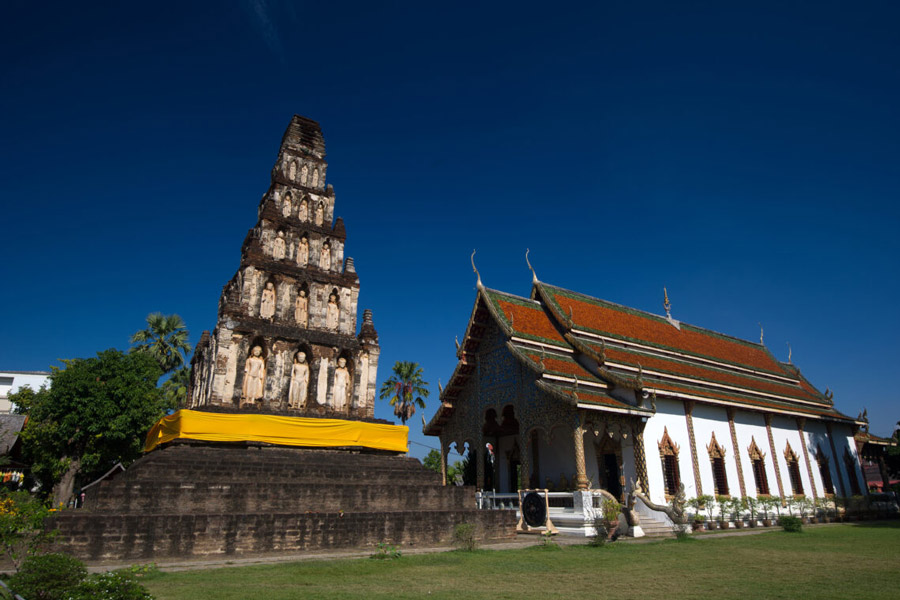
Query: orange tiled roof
{"x": 695, "y": 371}
{"x": 605, "y": 317}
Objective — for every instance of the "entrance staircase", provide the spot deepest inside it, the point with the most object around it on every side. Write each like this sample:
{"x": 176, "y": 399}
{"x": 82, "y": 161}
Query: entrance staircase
{"x": 188, "y": 500}
{"x": 654, "y": 528}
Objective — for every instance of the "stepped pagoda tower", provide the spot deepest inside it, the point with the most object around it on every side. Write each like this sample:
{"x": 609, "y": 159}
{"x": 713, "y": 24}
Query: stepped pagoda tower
{"x": 285, "y": 341}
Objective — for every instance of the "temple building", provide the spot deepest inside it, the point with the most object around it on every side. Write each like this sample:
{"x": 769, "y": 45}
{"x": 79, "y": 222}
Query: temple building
{"x": 570, "y": 392}
{"x": 286, "y": 339}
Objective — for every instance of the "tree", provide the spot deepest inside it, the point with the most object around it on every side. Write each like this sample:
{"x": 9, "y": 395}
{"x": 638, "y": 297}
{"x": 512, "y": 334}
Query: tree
{"x": 95, "y": 413}
{"x": 455, "y": 471}
{"x": 165, "y": 339}
{"x": 405, "y": 388}
{"x": 175, "y": 387}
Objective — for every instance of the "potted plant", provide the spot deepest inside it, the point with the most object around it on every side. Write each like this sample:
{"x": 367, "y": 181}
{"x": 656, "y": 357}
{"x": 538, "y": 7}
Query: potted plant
{"x": 766, "y": 503}
{"x": 791, "y": 502}
{"x": 811, "y": 509}
{"x": 698, "y": 522}
{"x": 696, "y": 519}
{"x": 706, "y": 502}
{"x": 802, "y": 504}
{"x": 611, "y": 512}
{"x": 840, "y": 508}
{"x": 752, "y": 505}
{"x": 723, "y": 502}
{"x": 822, "y": 508}
{"x": 736, "y": 506}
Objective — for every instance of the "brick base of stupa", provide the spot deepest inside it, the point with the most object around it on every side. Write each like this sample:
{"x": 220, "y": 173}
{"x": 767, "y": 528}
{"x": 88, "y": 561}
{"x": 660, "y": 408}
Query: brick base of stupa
{"x": 201, "y": 500}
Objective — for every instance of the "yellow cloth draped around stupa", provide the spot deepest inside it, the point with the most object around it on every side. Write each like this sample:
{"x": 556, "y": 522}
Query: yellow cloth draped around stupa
{"x": 283, "y": 431}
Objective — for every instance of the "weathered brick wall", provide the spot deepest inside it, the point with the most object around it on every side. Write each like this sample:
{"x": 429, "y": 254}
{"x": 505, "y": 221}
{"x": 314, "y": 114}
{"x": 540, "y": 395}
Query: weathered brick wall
{"x": 189, "y": 500}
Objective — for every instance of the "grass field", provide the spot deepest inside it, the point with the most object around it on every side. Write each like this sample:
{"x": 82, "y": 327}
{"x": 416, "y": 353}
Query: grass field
{"x": 848, "y": 561}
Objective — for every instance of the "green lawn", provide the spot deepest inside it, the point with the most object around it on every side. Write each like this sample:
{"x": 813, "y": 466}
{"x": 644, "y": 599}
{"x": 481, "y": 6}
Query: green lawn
{"x": 848, "y": 561}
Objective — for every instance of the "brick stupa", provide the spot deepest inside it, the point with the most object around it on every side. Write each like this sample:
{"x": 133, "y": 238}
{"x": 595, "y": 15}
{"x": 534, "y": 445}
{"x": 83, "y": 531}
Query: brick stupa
{"x": 200, "y": 493}
{"x": 294, "y": 294}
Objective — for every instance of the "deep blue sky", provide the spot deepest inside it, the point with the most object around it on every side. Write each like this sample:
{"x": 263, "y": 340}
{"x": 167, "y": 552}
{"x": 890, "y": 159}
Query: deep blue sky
{"x": 747, "y": 157}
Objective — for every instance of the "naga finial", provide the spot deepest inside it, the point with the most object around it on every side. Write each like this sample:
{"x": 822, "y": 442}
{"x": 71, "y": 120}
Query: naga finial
{"x": 543, "y": 355}
{"x": 790, "y": 353}
{"x": 653, "y": 400}
{"x": 478, "y": 284}
{"x": 666, "y": 304}
{"x": 760, "y": 334}
{"x": 534, "y": 278}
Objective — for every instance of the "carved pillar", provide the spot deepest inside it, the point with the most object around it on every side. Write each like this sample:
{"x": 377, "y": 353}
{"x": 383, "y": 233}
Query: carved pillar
{"x": 640, "y": 459}
{"x": 774, "y": 456}
{"x": 837, "y": 460}
{"x": 581, "y": 480}
{"x": 882, "y": 468}
{"x": 444, "y": 446}
{"x": 688, "y": 409}
{"x": 812, "y": 482}
{"x": 525, "y": 459}
{"x": 479, "y": 463}
{"x": 737, "y": 453}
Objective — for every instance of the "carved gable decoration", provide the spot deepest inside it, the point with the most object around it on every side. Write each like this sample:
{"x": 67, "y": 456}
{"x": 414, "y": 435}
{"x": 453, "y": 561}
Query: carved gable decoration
{"x": 666, "y": 446}
{"x": 789, "y": 454}
{"x": 714, "y": 449}
{"x": 754, "y": 451}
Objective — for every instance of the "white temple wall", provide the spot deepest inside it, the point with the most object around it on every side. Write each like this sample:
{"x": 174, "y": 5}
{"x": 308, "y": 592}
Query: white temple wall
{"x": 709, "y": 420}
{"x": 843, "y": 438}
{"x": 817, "y": 440}
{"x": 669, "y": 417}
{"x": 750, "y": 427}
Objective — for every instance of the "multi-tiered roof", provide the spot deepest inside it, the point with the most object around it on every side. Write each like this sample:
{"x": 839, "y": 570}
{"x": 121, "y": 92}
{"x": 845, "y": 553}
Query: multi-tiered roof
{"x": 600, "y": 355}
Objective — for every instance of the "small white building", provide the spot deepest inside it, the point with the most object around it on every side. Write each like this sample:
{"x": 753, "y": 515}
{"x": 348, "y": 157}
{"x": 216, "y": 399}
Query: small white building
{"x": 12, "y": 381}
{"x": 575, "y": 393}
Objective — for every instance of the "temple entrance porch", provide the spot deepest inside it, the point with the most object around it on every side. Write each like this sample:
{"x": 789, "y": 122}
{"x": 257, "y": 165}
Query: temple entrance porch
{"x": 580, "y": 461}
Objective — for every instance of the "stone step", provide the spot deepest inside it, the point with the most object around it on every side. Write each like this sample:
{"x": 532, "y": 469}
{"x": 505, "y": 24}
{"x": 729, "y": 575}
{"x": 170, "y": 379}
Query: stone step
{"x": 238, "y": 497}
{"x": 129, "y": 537}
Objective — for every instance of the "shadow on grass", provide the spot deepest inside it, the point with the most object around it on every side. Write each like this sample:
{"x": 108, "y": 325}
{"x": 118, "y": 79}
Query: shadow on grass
{"x": 893, "y": 524}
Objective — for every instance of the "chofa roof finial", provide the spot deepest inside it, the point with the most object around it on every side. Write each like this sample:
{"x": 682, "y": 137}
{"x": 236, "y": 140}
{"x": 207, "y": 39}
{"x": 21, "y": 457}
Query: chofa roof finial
{"x": 666, "y": 304}
{"x": 790, "y": 353}
{"x": 534, "y": 278}
{"x": 761, "y": 334}
{"x": 478, "y": 284}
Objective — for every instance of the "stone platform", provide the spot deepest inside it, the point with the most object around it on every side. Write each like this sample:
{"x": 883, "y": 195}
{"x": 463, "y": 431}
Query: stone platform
{"x": 187, "y": 500}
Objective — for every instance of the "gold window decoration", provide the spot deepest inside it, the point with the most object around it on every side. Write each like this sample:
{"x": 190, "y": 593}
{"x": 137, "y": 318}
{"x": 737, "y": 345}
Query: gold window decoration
{"x": 793, "y": 464}
{"x": 717, "y": 459}
{"x": 668, "y": 455}
{"x": 758, "y": 461}
{"x": 824, "y": 471}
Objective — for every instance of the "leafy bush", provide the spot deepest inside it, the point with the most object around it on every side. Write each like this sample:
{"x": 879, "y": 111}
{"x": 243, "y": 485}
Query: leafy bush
{"x": 386, "y": 552}
{"x": 464, "y": 536}
{"x": 116, "y": 585}
{"x": 601, "y": 533}
{"x": 791, "y": 524}
{"x": 22, "y": 532}
{"x": 48, "y": 577}
{"x": 547, "y": 541}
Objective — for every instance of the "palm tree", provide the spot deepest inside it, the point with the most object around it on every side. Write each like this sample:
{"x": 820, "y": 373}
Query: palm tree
{"x": 165, "y": 338}
{"x": 405, "y": 388}
{"x": 175, "y": 387}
